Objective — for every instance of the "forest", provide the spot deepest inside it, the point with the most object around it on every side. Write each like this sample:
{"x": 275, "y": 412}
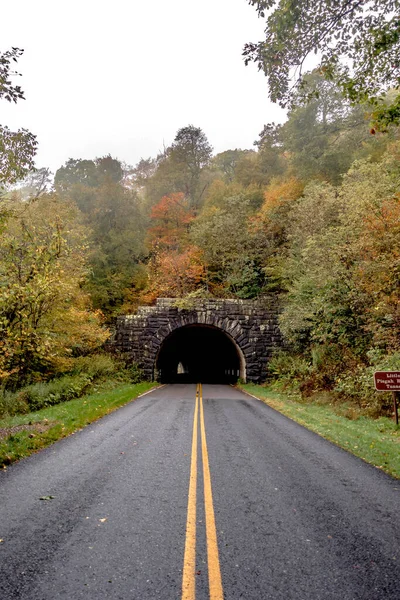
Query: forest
{"x": 310, "y": 214}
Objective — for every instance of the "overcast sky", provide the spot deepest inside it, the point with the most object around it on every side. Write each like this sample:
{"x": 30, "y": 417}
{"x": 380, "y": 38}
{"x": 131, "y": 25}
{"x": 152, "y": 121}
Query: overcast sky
{"x": 122, "y": 77}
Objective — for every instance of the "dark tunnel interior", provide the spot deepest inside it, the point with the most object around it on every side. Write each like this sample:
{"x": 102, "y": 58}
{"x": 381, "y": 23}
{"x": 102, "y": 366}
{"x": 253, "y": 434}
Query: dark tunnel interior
{"x": 198, "y": 354}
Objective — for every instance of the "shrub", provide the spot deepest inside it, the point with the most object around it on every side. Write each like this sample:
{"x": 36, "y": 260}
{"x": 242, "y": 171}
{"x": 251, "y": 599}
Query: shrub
{"x": 358, "y": 385}
{"x": 96, "y": 366}
{"x": 288, "y": 368}
{"x": 134, "y": 373}
{"x": 41, "y": 395}
{"x": 12, "y": 403}
{"x": 86, "y": 370}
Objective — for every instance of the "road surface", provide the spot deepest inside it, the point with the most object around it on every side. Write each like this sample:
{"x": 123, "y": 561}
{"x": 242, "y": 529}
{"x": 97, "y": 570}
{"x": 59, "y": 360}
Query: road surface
{"x": 198, "y": 493}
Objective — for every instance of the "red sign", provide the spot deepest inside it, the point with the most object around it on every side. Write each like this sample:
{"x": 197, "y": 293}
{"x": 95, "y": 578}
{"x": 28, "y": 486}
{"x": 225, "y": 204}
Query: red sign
{"x": 387, "y": 381}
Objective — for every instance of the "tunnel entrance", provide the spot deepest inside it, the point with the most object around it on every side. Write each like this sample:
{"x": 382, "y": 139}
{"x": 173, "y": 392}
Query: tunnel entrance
{"x": 199, "y": 353}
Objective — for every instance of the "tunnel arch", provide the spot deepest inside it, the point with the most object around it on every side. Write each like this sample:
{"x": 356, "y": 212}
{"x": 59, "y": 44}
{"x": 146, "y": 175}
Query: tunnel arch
{"x": 199, "y": 352}
{"x": 252, "y": 324}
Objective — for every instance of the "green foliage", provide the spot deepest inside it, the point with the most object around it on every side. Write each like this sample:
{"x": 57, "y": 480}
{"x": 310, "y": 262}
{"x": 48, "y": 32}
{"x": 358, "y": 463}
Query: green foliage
{"x": 288, "y": 368}
{"x": 219, "y": 193}
{"x": 107, "y": 367}
{"x": 357, "y": 385}
{"x": 341, "y": 275}
{"x": 113, "y": 213}
{"x": 17, "y": 148}
{"x": 84, "y": 373}
{"x": 320, "y": 139}
{"x": 42, "y": 395}
{"x": 8, "y": 91}
{"x": 232, "y": 249}
{"x": 96, "y": 366}
{"x": 133, "y": 373}
{"x": 17, "y": 152}
{"x": 13, "y": 403}
{"x": 358, "y": 45}
{"x": 225, "y": 163}
{"x": 87, "y": 173}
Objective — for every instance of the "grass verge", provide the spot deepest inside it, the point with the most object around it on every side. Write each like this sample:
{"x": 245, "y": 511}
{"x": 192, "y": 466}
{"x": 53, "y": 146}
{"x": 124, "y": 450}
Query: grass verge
{"x": 377, "y": 441}
{"x": 23, "y": 435}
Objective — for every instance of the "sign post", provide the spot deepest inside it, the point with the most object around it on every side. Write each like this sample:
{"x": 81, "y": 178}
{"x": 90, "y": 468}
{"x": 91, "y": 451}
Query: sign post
{"x": 389, "y": 381}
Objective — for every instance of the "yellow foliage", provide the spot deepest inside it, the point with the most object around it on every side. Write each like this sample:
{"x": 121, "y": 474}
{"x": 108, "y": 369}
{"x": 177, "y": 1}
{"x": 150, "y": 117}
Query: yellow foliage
{"x": 279, "y": 192}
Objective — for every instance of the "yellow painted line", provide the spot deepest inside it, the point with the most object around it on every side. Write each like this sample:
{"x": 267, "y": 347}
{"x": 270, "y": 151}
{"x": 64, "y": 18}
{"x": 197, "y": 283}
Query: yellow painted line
{"x": 214, "y": 570}
{"x": 189, "y": 561}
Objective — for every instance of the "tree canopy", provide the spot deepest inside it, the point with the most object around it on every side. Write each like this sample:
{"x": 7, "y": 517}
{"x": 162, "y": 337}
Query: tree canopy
{"x": 17, "y": 148}
{"x": 357, "y": 44}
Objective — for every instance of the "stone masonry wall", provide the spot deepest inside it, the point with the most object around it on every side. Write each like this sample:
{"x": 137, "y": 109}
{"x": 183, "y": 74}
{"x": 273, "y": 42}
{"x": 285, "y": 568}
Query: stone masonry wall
{"x": 253, "y": 326}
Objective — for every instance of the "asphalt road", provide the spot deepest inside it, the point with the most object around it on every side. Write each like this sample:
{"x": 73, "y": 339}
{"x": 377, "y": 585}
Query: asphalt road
{"x": 295, "y": 516}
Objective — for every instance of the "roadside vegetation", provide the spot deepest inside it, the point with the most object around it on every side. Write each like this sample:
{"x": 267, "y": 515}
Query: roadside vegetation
{"x": 375, "y": 440}
{"x": 22, "y": 435}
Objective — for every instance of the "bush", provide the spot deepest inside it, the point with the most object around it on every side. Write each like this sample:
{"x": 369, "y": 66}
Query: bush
{"x": 41, "y": 395}
{"x": 101, "y": 366}
{"x": 86, "y": 370}
{"x": 358, "y": 385}
{"x": 288, "y": 368}
{"x": 12, "y": 403}
{"x": 96, "y": 366}
{"x": 133, "y": 373}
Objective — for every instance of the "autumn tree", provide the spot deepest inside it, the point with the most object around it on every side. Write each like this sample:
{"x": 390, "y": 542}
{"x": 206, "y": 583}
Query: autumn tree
{"x": 175, "y": 267}
{"x": 45, "y": 316}
{"x": 342, "y": 300}
{"x": 174, "y": 274}
{"x": 170, "y": 220}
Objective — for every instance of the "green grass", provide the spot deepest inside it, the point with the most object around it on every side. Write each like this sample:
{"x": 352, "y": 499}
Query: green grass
{"x": 59, "y": 421}
{"x": 377, "y": 441}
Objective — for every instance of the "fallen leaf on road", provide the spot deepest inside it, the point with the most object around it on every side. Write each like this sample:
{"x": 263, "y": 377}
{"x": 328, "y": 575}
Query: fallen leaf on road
{"x": 47, "y": 498}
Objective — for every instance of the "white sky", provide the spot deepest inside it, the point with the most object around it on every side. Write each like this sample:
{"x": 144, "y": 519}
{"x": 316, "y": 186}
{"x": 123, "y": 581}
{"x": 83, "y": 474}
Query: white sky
{"x": 122, "y": 77}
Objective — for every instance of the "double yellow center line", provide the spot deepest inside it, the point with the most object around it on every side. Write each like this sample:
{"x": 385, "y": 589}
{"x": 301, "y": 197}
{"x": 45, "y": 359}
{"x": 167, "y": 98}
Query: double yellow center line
{"x": 189, "y": 563}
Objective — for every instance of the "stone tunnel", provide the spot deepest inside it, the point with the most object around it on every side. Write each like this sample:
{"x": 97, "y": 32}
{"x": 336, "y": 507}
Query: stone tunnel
{"x": 209, "y": 341}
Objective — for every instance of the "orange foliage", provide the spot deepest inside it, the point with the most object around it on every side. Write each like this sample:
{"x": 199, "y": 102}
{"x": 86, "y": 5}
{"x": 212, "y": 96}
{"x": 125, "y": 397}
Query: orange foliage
{"x": 174, "y": 274}
{"x": 378, "y": 271}
{"x": 279, "y": 192}
{"x": 172, "y": 217}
